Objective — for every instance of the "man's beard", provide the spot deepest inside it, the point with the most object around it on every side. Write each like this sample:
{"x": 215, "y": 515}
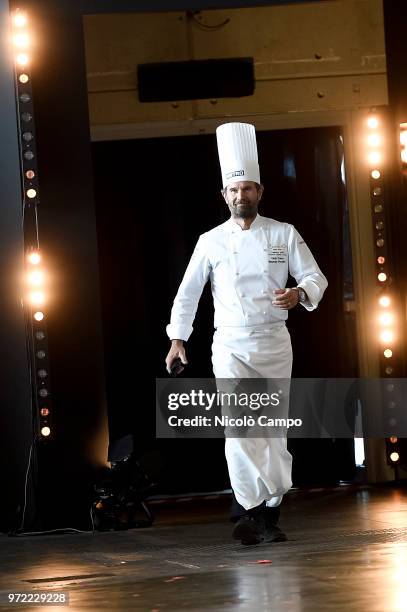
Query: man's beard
{"x": 247, "y": 211}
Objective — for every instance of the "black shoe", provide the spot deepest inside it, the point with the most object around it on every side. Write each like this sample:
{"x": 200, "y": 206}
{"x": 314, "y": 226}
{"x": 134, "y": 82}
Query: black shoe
{"x": 274, "y": 534}
{"x": 269, "y": 518}
{"x": 248, "y": 530}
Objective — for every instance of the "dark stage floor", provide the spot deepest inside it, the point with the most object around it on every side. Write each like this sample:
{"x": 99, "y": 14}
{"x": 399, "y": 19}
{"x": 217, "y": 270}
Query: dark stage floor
{"x": 347, "y": 550}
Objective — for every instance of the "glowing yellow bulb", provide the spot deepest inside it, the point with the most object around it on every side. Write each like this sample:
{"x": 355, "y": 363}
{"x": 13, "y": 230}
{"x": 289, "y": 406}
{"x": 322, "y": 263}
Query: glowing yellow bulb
{"x": 384, "y": 301}
{"x": 37, "y": 298}
{"x": 373, "y": 140}
{"x": 382, "y": 277}
{"x": 386, "y": 318}
{"x": 36, "y": 278}
{"x": 387, "y": 336}
{"x": 23, "y": 78}
{"x": 34, "y": 258}
{"x": 45, "y": 431}
{"x": 394, "y": 457}
{"x": 374, "y": 158}
{"x": 403, "y": 155}
{"x": 403, "y": 138}
{"x": 393, "y": 439}
{"x": 19, "y": 20}
{"x": 38, "y": 316}
{"x": 21, "y": 40}
{"x": 375, "y": 174}
{"x": 373, "y": 123}
{"x": 22, "y": 59}
{"x": 388, "y": 353}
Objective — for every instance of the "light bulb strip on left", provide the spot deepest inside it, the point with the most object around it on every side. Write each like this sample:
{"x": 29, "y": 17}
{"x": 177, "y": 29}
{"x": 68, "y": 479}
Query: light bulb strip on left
{"x": 35, "y": 298}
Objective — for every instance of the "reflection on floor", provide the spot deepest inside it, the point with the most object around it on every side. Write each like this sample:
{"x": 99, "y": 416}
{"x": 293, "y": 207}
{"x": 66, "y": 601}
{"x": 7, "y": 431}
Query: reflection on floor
{"x": 347, "y": 550}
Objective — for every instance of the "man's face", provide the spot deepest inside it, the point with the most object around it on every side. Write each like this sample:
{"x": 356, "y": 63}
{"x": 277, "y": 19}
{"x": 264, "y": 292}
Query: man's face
{"x": 243, "y": 199}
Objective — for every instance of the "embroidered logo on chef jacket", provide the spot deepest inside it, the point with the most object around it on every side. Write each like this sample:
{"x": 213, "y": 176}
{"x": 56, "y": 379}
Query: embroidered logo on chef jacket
{"x": 277, "y": 253}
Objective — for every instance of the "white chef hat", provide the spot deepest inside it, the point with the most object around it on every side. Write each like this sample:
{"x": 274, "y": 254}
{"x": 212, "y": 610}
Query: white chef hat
{"x": 237, "y": 150}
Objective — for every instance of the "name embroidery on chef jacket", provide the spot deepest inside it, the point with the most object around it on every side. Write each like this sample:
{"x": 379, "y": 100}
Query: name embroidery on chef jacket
{"x": 277, "y": 253}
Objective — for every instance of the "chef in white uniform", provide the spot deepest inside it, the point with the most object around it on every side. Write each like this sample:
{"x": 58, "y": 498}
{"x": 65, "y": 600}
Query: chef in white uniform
{"x": 247, "y": 260}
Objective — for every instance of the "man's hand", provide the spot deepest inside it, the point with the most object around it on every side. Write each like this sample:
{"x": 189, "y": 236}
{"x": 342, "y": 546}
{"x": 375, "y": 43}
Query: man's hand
{"x": 286, "y": 298}
{"x": 177, "y": 350}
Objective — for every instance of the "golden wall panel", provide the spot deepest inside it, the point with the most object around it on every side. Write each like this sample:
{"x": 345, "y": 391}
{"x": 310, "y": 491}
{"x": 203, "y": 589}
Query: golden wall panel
{"x": 309, "y": 57}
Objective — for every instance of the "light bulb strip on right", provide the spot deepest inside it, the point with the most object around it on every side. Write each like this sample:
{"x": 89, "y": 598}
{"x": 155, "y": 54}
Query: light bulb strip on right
{"x": 385, "y": 301}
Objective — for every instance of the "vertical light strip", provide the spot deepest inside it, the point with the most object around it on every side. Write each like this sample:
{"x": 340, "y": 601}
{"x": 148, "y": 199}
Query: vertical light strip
{"x": 36, "y": 275}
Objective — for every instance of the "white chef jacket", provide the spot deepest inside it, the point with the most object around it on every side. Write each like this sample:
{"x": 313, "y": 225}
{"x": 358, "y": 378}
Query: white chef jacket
{"x": 244, "y": 267}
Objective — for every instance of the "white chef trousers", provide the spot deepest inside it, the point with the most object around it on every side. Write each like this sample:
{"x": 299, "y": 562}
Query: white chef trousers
{"x": 259, "y": 468}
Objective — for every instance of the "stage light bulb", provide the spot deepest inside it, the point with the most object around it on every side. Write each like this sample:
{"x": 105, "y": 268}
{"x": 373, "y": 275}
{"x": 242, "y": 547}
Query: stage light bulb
{"x": 22, "y": 59}
{"x": 388, "y": 353}
{"x": 384, "y": 301}
{"x": 394, "y": 457}
{"x": 374, "y": 158}
{"x": 373, "y": 140}
{"x": 37, "y": 298}
{"x": 375, "y": 174}
{"x": 387, "y": 336}
{"x": 386, "y": 318}
{"x": 31, "y": 193}
{"x": 30, "y": 174}
{"x": 44, "y": 412}
{"x": 21, "y": 40}
{"x": 403, "y": 155}
{"x": 381, "y": 260}
{"x": 20, "y": 20}
{"x": 34, "y": 258}
{"x": 382, "y": 276}
{"x": 36, "y": 278}
{"x": 373, "y": 122}
{"x": 45, "y": 431}
{"x": 23, "y": 78}
{"x": 393, "y": 440}
{"x": 38, "y": 316}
